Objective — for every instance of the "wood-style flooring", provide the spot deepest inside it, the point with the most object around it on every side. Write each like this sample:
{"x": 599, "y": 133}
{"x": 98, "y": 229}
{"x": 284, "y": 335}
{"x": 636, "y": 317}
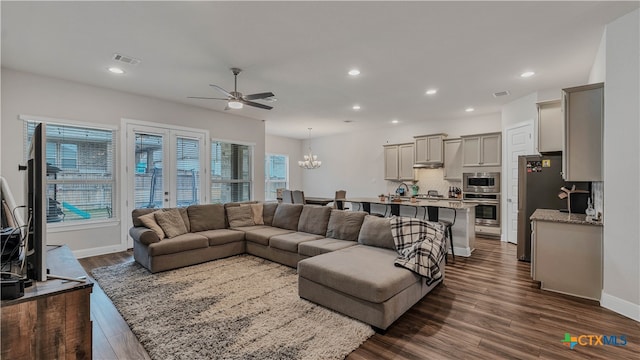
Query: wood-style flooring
{"x": 487, "y": 308}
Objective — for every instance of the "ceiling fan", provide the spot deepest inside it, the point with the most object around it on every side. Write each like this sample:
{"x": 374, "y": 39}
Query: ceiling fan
{"x": 235, "y": 99}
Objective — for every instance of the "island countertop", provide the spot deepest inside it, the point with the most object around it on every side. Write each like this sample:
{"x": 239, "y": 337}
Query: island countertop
{"x": 562, "y": 217}
{"x": 452, "y": 204}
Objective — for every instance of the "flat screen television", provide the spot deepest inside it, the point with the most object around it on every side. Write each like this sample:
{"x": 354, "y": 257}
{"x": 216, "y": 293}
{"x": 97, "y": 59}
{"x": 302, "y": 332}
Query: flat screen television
{"x": 36, "y": 201}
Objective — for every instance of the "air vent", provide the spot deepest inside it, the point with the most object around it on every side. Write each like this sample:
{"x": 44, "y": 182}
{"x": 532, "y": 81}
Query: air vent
{"x": 126, "y": 59}
{"x": 501, "y": 93}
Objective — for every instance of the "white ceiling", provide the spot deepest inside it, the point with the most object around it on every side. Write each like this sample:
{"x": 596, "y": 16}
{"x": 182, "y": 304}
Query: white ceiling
{"x": 302, "y": 51}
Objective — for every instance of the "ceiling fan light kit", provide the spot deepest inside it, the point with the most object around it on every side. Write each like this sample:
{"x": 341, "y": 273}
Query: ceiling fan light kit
{"x": 235, "y": 99}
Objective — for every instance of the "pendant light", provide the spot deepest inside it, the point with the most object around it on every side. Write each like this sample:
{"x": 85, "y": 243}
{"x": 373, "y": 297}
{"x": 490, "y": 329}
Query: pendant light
{"x": 310, "y": 161}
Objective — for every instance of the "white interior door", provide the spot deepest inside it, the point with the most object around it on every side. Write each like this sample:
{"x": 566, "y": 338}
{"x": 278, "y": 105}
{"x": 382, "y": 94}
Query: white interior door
{"x": 519, "y": 141}
{"x": 165, "y": 167}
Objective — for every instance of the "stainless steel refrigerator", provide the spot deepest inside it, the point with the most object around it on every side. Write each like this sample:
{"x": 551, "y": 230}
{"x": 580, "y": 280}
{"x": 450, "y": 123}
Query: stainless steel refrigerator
{"x": 539, "y": 182}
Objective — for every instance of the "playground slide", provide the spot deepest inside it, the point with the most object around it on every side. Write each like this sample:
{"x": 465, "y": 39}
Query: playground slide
{"x": 75, "y": 210}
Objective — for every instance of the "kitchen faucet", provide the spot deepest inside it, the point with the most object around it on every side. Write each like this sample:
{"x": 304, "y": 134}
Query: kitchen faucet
{"x": 402, "y": 193}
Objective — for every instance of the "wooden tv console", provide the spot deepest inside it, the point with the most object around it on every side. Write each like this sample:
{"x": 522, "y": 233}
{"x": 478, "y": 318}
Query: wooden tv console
{"x": 52, "y": 320}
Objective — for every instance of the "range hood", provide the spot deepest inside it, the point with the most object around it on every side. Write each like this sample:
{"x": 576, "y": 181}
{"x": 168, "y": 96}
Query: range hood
{"x": 431, "y": 165}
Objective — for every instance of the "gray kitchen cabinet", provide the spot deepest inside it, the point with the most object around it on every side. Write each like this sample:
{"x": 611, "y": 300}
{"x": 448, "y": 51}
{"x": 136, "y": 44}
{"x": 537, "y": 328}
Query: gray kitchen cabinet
{"x": 567, "y": 258}
{"x": 482, "y": 149}
{"x": 429, "y": 149}
{"x": 550, "y": 126}
{"x": 583, "y": 108}
{"x": 452, "y": 159}
{"x": 398, "y": 162}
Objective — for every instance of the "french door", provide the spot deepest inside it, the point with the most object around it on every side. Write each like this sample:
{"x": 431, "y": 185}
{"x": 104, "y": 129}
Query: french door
{"x": 165, "y": 167}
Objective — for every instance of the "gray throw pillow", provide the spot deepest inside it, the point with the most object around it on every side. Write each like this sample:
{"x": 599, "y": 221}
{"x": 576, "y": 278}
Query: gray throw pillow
{"x": 240, "y": 216}
{"x": 206, "y": 217}
{"x": 287, "y": 216}
{"x": 376, "y": 231}
{"x": 314, "y": 219}
{"x": 149, "y": 220}
{"x": 268, "y": 210}
{"x": 171, "y": 222}
{"x": 345, "y": 225}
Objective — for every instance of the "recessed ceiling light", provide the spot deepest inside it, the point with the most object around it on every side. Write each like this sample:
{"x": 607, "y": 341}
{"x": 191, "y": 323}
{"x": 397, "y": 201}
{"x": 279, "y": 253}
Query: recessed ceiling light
{"x": 527, "y": 74}
{"x": 469, "y": 109}
{"x": 354, "y": 72}
{"x": 431, "y": 91}
{"x": 116, "y": 70}
{"x": 395, "y": 121}
{"x": 356, "y": 107}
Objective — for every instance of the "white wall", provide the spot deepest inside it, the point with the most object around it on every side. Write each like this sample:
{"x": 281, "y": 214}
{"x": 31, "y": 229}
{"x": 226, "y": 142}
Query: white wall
{"x": 30, "y": 94}
{"x": 291, "y": 147}
{"x": 621, "y": 285}
{"x": 355, "y": 162}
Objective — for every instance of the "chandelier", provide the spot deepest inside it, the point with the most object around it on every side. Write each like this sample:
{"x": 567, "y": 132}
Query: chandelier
{"x": 310, "y": 161}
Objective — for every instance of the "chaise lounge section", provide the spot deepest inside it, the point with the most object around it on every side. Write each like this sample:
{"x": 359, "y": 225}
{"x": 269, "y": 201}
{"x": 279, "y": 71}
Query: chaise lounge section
{"x": 345, "y": 259}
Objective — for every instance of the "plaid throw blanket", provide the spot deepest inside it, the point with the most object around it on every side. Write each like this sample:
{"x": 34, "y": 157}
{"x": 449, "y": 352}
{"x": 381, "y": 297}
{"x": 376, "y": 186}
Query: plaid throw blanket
{"x": 421, "y": 245}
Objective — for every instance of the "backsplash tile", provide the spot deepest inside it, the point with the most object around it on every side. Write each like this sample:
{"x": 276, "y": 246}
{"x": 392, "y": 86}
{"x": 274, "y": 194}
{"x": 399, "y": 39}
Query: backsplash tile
{"x": 597, "y": 192}
{"x": 429, "y": 179}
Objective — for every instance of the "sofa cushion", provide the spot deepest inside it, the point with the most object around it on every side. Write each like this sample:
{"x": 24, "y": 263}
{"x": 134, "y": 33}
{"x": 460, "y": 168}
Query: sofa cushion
{"x": 261, "y": 236}
{"x": 376, "y": 231}
{"x": 180, "y": 243}
{"x": 257, "y": 210}
{"x": 321, "y": 246}
{"x": 287, "y": 216}
{"x": 268, "y": 210}
{"x": 345, "y": 225}
{"x": 314, "y": 219}
{"x": 171, "y": 222}
{"x": 365, "y": 272}
{"x": 136, "y": 213}
{"x": 206, "y": 217}
{"x": 185, "y": 218}
{"x": 149, "y": 220}
{"x": 290, "y": 242}
{"x": 239, "y": 216}
{"x": 222, "y": 236}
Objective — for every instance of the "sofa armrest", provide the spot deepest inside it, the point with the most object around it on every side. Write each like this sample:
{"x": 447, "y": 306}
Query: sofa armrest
{"x": 144, "y": 235}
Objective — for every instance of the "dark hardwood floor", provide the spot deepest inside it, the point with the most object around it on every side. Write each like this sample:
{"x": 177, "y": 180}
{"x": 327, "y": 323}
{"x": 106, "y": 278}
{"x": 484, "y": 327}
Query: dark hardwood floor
{"x": 488, "y": 307}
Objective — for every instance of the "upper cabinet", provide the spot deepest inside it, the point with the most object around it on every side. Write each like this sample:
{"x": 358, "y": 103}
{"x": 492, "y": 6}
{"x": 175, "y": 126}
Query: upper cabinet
{"x": 429, "y": 149}
{"x": 482, "y": 150}
{"x": 583, "y": 108}
{"x": 452, "y": 159}
{"x": 398, "y": 162}
{"x": 550, "y": 126}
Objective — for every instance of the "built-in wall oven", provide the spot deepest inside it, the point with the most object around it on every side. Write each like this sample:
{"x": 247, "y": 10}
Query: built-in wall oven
{"x": 487, "y": 208}
{"x": 481, "y": 182}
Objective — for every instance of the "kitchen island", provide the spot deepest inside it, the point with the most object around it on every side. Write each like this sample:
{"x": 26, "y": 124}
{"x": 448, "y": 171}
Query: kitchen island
{"x": 464, "y": 232}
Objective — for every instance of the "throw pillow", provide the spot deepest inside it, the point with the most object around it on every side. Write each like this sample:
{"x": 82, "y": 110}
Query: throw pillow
{"x": 171, "y": 222}
{"x": 240, "y": 216}
{"x": 149, "y": 220}
{"x": 257, "y": 210}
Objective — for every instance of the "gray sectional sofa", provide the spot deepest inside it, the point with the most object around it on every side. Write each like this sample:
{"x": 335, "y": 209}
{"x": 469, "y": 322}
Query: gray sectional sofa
{"x": 345, "y": 259}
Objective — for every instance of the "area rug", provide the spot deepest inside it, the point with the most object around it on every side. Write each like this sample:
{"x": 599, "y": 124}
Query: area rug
{"x": 241, "y": 307}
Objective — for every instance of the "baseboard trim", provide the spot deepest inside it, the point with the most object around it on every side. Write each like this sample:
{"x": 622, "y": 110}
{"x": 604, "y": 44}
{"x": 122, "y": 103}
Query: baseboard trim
{"x": 621, "y": 306}
{"x": 83, "y": 253}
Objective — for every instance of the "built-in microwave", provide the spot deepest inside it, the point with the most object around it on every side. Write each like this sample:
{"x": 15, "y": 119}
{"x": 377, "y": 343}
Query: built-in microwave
{"x": 484, "y": 182}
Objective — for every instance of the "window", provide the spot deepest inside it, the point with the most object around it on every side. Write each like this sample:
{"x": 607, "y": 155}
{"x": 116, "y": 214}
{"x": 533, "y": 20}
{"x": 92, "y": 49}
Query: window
{"x": 230, "y": 172}
{"x": 276, "y": 174}
{"x": 80, "y": 172}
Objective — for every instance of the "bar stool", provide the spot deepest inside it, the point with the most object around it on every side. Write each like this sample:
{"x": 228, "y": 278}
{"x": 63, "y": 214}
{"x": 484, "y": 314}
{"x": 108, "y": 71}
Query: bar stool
{"x": 433, "y": 213}
{"x": 448, "y": 230}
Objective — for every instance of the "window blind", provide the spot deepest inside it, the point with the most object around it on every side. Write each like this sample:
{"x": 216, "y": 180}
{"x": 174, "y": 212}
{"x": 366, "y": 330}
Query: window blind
{"x": 231, "y": 175}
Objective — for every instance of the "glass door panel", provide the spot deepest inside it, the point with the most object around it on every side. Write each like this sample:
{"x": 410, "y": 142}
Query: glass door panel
{"x": 148, "y": 189}
{"x": 187, "y": 174}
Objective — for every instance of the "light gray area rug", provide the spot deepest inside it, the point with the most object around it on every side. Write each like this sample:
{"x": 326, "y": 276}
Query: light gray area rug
{"x": 241, "y": 307}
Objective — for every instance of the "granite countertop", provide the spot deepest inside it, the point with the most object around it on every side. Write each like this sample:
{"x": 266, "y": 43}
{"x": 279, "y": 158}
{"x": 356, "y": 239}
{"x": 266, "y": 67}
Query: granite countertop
{"x": 446, "y": 203}
{"x": 557, "y": 216}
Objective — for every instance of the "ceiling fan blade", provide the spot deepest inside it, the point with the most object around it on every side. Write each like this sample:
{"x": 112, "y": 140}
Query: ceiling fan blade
{"x": 225, "y": 92}
{"x": 255, "y": 104}
{"x": 206, "y": 98}
{"x": 258, "y": 96}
